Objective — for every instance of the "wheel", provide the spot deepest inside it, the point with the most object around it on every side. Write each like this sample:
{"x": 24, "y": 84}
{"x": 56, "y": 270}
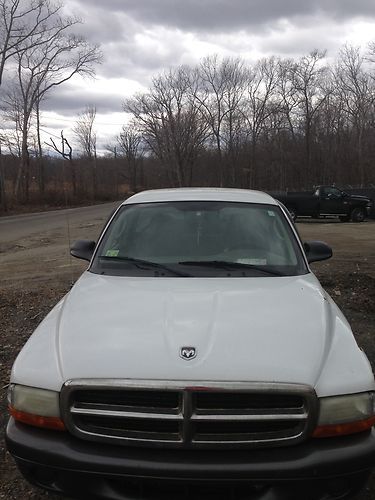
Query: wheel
{"x": 293, "y": 213}
{"x": 344, "y": 218}
{"x": 358, "y": 215}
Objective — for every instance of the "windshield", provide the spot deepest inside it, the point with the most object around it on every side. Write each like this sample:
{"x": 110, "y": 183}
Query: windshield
{"x": 199, "y": 239}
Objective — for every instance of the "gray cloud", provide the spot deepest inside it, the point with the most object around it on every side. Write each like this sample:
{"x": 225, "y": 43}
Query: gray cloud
{"x": 102, "y": 23}
{"x": 69, "y": 101}
{"x": 141, "y": 38}
{"x": 137, "y": 52}
{"x": 294, "y": 42}
{"x": 141, "y": 59}
{"x": 218, "y": 15}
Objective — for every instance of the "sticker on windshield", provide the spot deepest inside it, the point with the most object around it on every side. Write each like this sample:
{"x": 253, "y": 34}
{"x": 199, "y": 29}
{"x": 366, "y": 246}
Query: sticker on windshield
{"x": 253, "y": 262}
{"x": 111, "y": 253}
{"x": 271, "y": 213}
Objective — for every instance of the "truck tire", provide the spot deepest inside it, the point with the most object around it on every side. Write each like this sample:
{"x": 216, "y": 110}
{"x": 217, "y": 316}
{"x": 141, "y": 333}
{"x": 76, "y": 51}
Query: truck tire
{"x": 358, "y": 215}
{"x": 344, "y": 218}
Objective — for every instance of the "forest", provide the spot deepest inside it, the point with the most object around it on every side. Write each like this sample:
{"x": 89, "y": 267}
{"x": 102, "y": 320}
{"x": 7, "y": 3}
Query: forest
{"x": 271, "y": 124}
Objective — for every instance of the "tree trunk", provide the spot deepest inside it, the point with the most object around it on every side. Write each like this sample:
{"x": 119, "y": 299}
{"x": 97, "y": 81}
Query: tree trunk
{"x": 310, "y": 174}
{"x": 220, "y": 162}
{"x": 74, "y": 177}
{"x": 22, "y": 181}
{"x": 41, "y": 180}
{"x": 94, "y": 178}
{"x": 252, "y": 169}
{"x": 360, "y": 155}
{"x": 3, "y": 202}
{"x": 134, "y": 175}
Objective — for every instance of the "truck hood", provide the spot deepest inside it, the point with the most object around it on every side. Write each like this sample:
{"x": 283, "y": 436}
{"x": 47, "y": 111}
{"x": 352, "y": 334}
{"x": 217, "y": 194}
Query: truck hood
{"x": 125, "y": 327}
{"x": 271, "y": 329}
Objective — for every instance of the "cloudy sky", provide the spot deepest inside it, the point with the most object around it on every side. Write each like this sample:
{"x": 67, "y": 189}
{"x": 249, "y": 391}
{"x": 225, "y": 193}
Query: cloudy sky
{"x": 140, "y": 38}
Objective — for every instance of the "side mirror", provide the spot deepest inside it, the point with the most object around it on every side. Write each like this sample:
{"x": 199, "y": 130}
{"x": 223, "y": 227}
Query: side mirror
{"x": 83, "y": 249}
{"x": 317, "y": 250}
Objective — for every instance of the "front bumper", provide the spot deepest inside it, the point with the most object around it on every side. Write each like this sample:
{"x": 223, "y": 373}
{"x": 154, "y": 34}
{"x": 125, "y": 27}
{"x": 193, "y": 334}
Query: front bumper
{"x": 336, "y": 467}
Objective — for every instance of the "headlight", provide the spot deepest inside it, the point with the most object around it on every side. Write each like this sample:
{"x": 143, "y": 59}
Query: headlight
{"x": 349, "y": 414}
{"x": 33, "y": 406}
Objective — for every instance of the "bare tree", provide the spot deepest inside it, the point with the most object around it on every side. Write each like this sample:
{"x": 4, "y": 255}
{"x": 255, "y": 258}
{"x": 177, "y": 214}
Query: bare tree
{"x": 39, "y": 149}
{"x": 11, "y": 136}
{"x": 233, "y": 124}
{"x": 3, "y": 202}
{"x": 85, "y": 132}
{"x": 130, "y": 143}
{"x": 25, "y": 24}
{"x": 10, "y": 141}
{"x": 311, "y": 85}
{"x": 272, "y": 124}
{"x": 86, "y": 138}
{"x": 356, "y": 90}
{"x": 171, "y": 123}
{"x": 42, "y": 67}
{"x": 219, "y": 93}
{"x": 288, "y": 98}
{"x": 66, "y": 151}
{"x": 13, "y": 108}
{"x": 112, "y": 148}
{"x": 260, "y": 92}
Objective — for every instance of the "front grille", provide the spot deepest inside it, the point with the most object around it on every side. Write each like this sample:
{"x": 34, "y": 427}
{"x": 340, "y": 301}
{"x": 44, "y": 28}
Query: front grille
{"x": 218, "y": 401}
{"x": 177, "y": 414}
{"x": 131, "y": 398}
{"x": 167, "y": 430}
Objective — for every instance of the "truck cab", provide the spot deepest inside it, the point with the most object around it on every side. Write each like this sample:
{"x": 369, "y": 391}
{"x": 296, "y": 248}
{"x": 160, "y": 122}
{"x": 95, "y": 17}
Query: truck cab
{"x": 332, "y": 200}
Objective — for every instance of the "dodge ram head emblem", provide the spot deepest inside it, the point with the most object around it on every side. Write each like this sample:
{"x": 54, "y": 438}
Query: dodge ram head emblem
{"x": 188, "y": 352}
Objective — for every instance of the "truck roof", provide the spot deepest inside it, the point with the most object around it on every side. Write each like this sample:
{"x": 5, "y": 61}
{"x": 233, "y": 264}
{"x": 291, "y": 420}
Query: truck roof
{"x": 201, "y": 194}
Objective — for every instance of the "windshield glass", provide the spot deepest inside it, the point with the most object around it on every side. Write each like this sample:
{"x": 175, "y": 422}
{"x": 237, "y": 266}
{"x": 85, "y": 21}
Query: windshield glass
{"x": 199, "y": 239}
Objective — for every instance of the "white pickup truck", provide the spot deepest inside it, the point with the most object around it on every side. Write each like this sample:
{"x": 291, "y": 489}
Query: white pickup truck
{"x": 197, "y": 355}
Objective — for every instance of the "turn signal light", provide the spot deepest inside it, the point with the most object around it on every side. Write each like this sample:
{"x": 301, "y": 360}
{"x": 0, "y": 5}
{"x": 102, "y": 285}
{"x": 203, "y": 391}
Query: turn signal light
{"x": 323, "y": 431}
{"x": 36, "y": 420}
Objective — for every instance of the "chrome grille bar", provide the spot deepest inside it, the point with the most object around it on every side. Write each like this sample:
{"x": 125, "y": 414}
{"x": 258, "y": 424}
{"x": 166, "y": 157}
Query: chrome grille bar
{"x": 248, "y": 417}
{"x": 229, "y": 414}
{"x": 127, "y": 414}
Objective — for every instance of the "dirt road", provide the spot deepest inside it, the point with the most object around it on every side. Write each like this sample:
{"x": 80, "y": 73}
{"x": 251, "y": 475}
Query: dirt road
{"x": 21, "y": 226}
{"x": 33, "y": 246}
{"x": 36, "y": 270}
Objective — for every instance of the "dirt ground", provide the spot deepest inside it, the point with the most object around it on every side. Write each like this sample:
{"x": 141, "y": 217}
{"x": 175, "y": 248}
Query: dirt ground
{"x": 36, "y": 271}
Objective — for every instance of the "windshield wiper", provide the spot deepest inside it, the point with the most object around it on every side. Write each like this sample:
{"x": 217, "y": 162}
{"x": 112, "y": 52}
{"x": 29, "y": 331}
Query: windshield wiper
{"x": 144, "y": 264}
{"x": 223, "y": 264}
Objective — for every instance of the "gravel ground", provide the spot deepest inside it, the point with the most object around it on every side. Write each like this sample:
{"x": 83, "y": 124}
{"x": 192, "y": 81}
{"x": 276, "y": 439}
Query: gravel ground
{"x": 349, "y": 278}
